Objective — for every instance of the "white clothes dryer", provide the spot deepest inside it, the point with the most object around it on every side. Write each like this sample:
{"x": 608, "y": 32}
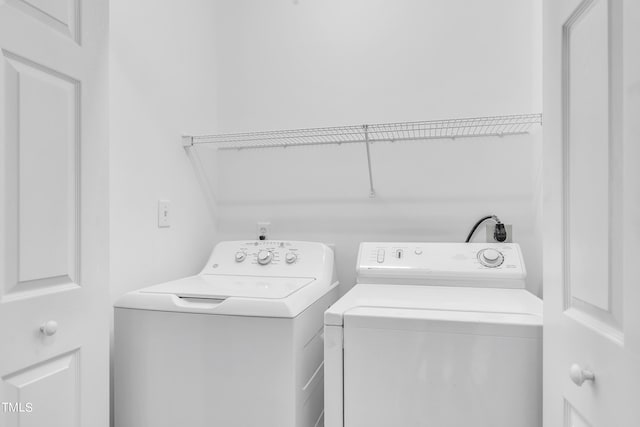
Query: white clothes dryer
{"x": 435, "y": 334}
{"x": 239, "y": 344}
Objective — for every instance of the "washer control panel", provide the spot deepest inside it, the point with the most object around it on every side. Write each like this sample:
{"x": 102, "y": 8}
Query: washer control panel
{"x": 268, "y": 257}
{"x": 265, "y": 252}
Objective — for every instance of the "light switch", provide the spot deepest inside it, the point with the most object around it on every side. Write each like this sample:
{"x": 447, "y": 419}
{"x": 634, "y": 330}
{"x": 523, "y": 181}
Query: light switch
{"x": 164, "y": 217}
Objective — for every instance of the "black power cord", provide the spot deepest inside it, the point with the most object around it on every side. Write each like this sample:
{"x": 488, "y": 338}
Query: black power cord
{"x": 500, "y": 232}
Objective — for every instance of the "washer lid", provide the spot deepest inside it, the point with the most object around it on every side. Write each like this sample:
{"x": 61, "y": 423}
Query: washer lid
{"x": 394, "y": 305}
{"x": 226, "y": 286}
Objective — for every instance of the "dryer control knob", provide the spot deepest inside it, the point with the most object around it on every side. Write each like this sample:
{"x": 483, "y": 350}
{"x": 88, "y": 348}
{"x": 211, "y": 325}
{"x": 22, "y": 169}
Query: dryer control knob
{"x": 240, "y": 256}
{"x": 490, "y": 257}
{"x": 291, "y": 257}
{"x": 264, "y": 257}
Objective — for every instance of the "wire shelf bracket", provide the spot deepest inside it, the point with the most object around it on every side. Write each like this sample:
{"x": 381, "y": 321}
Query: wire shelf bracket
{"x": 370, "y": 133}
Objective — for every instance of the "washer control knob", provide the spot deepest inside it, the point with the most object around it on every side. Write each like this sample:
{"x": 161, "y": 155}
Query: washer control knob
{"x": 418, "y": 251}
{"x": 290, "y": 257}
{"x": 240, "y": 256}
{"x": 264, "y": 257}
{"x": 490, "y": 257}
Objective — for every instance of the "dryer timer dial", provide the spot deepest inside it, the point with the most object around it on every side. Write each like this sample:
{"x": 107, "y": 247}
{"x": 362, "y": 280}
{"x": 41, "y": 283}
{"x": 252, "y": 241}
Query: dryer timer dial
{"x": 490, "y": 257}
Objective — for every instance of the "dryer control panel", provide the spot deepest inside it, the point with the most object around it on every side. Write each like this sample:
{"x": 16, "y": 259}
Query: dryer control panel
{"x": 466, "y": 262}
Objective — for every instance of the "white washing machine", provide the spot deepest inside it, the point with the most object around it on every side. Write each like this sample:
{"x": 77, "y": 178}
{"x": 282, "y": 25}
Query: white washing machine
{"x": 435, "y": 334}
{"x": 240, "y": 344}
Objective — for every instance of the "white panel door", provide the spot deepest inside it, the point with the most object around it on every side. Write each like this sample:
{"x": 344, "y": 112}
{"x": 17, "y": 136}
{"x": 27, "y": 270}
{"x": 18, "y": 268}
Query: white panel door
{"x": 592, "y": 213}
{"x": 53, "y": 214}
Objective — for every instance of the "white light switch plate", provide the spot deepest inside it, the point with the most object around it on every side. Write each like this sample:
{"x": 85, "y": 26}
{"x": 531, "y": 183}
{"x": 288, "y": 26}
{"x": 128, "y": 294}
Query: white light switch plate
{"x": 164, "y": 215}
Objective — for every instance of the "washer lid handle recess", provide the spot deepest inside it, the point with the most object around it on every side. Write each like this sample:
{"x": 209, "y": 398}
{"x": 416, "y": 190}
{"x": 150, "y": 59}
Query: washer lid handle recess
{"x": 223, "y": 287}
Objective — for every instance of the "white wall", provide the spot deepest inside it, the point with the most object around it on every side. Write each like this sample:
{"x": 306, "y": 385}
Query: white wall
{"x": 289, "y": 64}
{"x": 162, "y": 82}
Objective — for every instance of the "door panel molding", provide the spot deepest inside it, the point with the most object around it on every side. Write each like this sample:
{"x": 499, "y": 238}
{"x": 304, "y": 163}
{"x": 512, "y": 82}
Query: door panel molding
{"x": 42, "y": 135}
{"x": 591, "y": 200}
{"x": 37, "y": 384}
{"x": 62, "y": 16}
{"x": 573, "y": 418}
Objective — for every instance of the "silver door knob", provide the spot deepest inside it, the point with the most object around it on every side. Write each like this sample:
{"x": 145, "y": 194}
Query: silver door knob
{"x": 49, "y": 328}
{"x": 579, "y": 375}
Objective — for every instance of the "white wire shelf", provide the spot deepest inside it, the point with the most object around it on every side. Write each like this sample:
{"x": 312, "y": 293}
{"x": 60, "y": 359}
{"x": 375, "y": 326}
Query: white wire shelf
{"x": 367, "y": 134}
{"x": 389, "y": 132}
